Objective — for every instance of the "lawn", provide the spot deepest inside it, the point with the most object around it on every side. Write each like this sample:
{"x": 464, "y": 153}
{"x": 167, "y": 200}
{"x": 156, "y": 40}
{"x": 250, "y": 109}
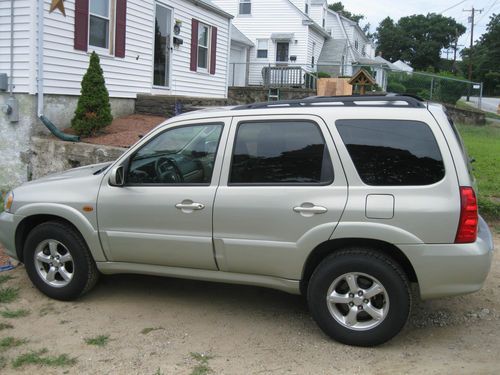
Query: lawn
{"x": 483, "y": 144}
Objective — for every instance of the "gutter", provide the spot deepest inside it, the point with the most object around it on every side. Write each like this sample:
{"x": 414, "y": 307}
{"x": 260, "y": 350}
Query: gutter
{"x": 48, "y": 124}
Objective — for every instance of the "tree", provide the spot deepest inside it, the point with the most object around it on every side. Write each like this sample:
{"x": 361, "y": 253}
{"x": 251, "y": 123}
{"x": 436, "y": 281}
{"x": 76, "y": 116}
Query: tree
{"x": 93, "y": 111}
{"x": 339, "y": 8}
{"x": 418, "y": 39}
{"x": 485, "y": 57}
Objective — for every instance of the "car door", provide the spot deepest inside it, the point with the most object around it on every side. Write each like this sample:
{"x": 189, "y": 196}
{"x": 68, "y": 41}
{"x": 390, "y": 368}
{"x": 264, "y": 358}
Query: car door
{"x": 163, "y": 213}
{"x": 282, "y": 193}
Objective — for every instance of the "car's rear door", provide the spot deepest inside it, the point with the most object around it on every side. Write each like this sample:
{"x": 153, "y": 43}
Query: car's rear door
{"x": 282, "y": 192}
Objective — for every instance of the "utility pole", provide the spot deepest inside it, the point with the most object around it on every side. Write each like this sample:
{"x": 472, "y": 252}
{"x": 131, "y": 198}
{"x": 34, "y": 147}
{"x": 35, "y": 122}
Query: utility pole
{"x": 471, "y": 20}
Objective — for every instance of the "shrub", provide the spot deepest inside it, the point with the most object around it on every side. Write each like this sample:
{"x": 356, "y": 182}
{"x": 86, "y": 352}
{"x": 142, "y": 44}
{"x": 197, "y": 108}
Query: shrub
{"x": 322, "y": 75}
{"x": 396, "y": 87}
{"x": 93, "y": 111}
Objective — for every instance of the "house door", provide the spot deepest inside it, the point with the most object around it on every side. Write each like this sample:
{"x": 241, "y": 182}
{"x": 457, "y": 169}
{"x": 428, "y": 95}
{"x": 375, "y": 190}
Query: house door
{"x": 282, "y": 49}
{"x": 162, "y": 46}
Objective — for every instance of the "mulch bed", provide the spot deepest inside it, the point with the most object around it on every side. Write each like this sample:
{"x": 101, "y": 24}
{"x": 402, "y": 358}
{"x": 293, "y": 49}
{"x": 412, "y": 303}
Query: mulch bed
{"x": 123, "y": 131}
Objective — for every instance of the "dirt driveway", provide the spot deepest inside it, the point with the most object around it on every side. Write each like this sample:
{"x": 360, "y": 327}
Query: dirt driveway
{"x": 167, "y": 326}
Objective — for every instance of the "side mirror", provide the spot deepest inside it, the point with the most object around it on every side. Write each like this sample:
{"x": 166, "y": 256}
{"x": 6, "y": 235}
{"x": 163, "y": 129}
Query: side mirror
{"x": 117, "y": 176}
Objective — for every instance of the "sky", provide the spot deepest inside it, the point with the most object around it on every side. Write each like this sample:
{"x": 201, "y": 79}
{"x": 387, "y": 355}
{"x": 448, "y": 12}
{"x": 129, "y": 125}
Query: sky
{"x": 376, "y": 10}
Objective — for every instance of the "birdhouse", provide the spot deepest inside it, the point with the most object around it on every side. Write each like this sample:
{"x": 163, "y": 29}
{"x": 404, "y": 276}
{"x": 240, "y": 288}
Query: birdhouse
{"x": 362, "y": 79}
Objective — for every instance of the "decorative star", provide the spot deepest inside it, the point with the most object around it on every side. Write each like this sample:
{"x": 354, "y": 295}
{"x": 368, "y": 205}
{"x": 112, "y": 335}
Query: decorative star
{"x": 57, "y": 4}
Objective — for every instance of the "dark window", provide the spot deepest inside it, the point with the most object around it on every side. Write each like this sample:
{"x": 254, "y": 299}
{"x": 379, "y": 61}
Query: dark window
{"x": 182, "y": 155}
{"x": 392, "y": 152}
{"x": 280, "y": 153}
{"x": 245, "y": 7}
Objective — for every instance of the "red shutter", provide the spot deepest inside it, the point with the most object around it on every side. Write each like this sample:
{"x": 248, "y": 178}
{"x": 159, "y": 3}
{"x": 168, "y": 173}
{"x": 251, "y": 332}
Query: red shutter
{"x": 194, "y": 45}
{"x": 121, "y": 20}
{"x": 213, "y": 51}
{"x": 81, "y": 24}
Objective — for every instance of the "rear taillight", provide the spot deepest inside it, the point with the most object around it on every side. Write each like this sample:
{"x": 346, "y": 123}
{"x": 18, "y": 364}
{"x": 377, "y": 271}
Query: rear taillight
{"x": 467, "y": 226}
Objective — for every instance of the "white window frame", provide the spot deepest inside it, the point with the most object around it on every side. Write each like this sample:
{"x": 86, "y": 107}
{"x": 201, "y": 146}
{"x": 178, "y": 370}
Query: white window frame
{"x": 260, "y": 49}
{"x": 239, "y": 7}
{"x": 111, "y": 29}
{"x": 172, "y": 18}
{"x": 208, "y": 47}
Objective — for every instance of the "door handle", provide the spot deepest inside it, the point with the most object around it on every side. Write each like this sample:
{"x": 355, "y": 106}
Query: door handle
{"x": 190, "y": 206}
{"x": 310, "y": 210}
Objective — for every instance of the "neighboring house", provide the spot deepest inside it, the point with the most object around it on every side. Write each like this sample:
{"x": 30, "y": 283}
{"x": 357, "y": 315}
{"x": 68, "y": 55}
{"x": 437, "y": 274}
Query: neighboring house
{"x": 287, "y": 40}
{"x": 170, "y": 47}
{"x": 239, "y": 57}
{"x": 401, "y": 65}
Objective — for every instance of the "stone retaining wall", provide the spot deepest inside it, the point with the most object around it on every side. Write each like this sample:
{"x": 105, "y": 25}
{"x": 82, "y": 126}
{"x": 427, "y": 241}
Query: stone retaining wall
{"x": 50, "y": 155}
{"x": 466, "y": 116}
{"x": 247, "y": 95}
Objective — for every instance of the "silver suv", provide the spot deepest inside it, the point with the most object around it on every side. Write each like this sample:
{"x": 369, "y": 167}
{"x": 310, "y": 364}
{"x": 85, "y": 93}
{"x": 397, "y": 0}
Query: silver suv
{"x": 346, "y": 200}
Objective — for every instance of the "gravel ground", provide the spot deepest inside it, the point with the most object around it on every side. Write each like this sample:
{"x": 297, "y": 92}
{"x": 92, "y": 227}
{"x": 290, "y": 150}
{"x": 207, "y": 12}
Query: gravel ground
{"x": 242, "y": 330}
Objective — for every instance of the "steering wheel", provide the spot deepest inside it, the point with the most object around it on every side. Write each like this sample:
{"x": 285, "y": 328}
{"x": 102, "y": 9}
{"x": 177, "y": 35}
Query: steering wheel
{"x": 167, "y": 171}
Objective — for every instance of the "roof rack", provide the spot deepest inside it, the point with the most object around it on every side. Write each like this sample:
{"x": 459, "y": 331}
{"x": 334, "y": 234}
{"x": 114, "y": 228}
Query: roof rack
{"x": 388, "y": 100}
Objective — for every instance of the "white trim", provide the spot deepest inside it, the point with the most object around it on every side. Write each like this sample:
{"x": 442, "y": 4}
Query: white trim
{"x": 208, "y": 47}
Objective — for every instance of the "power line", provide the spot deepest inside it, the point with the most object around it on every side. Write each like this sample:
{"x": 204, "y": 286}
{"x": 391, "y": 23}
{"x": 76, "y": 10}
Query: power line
{"x": 453, "y": 6}
{"x": 485, "y": 13}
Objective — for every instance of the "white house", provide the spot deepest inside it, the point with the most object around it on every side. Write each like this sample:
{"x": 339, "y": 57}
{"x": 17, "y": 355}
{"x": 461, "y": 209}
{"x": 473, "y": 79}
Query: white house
{"x": 287, "y": 40}
{"x": 401, "y": 65}
{"x": 170, "y": 47}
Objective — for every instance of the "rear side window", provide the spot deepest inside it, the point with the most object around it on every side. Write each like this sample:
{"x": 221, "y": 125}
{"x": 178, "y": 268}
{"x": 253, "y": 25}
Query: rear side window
{"x": 281, "y": 152}
{"x": 392, "y": 152}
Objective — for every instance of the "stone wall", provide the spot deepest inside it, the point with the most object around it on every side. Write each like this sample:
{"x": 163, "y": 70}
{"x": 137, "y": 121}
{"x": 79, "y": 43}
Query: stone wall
{"x": 50, "y": 155}
{"x": 465, "y": 116}
{"x": 15, "y": 141}
{"x": 164, "y": 105}
{"x": 247, "y": 95}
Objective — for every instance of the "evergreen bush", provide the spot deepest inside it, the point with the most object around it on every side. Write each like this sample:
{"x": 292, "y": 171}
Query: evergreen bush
{"x": 93, "y": 111}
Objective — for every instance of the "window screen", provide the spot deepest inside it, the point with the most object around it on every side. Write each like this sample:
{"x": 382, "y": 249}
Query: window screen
{"x": 392, "y": 152}
{"x": 280, "y": 153}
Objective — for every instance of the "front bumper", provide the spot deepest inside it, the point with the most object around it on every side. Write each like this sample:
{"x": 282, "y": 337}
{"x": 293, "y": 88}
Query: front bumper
{"x": 8, "y": 225}
{"x": 452, "y": 269}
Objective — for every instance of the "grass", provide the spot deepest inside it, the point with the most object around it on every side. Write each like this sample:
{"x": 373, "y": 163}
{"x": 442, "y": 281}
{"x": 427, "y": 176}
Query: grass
{"x": 3, "y": 362}
{"x": 11, "y": 342}
{"x": 38, "y": 358}
{"x": 12, "y": 314}
{"x": 8, "y": 294}
{"x": 101, "y": 340}
{"x": 483, "y": 144}
{"x": 5, "y": 326}
{"x": 146, "y": 330}
{"x": 4, "y": 278}
{"x": 202, "y": 368}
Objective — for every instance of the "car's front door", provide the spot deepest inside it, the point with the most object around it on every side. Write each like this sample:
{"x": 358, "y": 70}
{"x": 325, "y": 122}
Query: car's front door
{"x": 163, "y": 213}
{"x": 282, "y": 193}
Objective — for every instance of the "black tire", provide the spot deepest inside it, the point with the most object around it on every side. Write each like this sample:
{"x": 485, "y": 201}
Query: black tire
{"x": 376, "y": 265}
{"x": 84, "y": 270}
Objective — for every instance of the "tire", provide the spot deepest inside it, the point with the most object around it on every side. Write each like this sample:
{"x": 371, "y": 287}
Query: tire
{"x": 367, "y": 319}
{"x": 58, "y": 261}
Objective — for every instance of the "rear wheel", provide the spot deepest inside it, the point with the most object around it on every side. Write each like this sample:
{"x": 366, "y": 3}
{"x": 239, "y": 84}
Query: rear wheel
{"x": 58, "y": 261}
{"x": 359, "y": 297}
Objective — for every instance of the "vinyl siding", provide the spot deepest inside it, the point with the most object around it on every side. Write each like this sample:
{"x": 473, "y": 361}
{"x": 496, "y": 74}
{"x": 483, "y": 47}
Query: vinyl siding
{"x": 319, "y": 40}
{"x": 269, "y": 16}
{"x": 23, "y": 76}
{"x": 64, "y": 66}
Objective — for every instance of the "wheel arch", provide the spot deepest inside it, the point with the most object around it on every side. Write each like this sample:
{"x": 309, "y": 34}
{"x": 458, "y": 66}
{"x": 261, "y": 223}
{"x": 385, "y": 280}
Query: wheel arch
{"x": 326, "y": 248}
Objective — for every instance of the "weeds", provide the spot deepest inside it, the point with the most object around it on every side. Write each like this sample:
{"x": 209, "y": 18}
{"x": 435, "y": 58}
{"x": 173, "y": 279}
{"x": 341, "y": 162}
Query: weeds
{"x": 202, "y": 367}
{"x": 8, "y": 294}
{"x": 10, "y": 342}
{"x": 12, "y": 314}
{"x": 101, "y": 340}
{"x": 37, "y": 358}
{"x": 5, "y": 326}
{"x": 3, "y": 362}
{"x": 4, "y": 278}
{"x": 146, "y": 330}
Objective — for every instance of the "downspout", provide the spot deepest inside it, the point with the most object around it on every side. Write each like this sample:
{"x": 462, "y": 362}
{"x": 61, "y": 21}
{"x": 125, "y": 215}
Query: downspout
{"x": 53, "y": 129}
{"x": 11, "y": 48}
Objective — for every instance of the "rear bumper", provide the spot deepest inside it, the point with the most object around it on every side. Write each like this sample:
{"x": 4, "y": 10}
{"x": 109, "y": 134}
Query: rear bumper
{"x": 452, "y": 269}
{"x": 8, "y": 225}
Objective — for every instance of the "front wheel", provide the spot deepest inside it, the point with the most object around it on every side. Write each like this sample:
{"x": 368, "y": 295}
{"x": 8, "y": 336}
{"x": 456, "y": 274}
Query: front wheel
{"x": 359, "y": 297}
{"x": 58, "y": 261}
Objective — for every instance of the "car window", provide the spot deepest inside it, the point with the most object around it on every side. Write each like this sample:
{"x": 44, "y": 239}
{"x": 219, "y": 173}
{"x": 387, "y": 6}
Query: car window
{"x": 392, "y": 152}
{"x": 182, "y": 155}
{"x": 280, "y": 152}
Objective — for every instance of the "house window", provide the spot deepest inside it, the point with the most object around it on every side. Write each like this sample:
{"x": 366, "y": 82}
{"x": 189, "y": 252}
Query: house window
{"x": 245, "y": 7}
{"x": 356, "y": 44}
{"x": 307, "y": 8}
{"x": 99, "y": 23}
{"x": 262, "y": 46}
{"x": 203, "y": 46}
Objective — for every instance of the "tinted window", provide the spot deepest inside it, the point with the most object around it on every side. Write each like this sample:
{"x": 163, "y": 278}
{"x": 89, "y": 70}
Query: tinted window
{"x": 392, "y": 152}
{"x": 280, "y": 152}
{"x": 183, "y": 155}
